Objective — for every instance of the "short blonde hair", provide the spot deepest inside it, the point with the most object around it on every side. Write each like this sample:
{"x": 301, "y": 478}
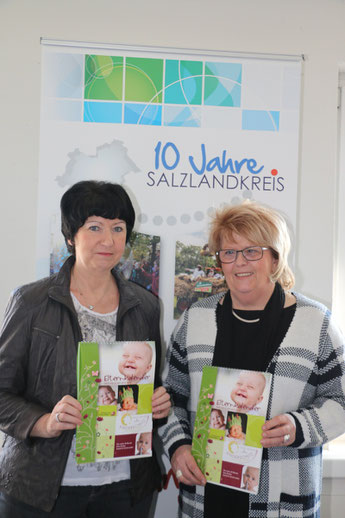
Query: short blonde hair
{"x": 262, "y": 226}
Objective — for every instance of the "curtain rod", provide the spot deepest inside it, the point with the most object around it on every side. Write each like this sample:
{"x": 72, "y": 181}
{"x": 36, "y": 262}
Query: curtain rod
{"x": 171, "y": 50}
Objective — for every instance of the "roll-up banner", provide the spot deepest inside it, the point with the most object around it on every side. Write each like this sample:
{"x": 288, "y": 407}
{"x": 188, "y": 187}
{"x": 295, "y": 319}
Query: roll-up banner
{"x": 184, "y": 132}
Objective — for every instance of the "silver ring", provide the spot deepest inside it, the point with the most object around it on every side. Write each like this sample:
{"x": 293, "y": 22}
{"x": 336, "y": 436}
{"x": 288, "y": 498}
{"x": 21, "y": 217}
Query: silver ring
{"x": 179, "y": 474}
{"x": 57, "y": 417}
{"x": 286, "y": 437}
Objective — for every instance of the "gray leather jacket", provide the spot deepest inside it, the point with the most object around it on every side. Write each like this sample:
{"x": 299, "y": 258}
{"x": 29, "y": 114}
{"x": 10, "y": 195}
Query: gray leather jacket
{"x": 38, "y": 351}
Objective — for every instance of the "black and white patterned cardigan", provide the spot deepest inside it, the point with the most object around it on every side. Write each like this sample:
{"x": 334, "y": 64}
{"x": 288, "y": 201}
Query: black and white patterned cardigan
{"x": 308, "y": 381}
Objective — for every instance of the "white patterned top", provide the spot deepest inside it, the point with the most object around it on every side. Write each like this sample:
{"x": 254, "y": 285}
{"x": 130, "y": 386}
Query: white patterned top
{"x": 100, "y": 328}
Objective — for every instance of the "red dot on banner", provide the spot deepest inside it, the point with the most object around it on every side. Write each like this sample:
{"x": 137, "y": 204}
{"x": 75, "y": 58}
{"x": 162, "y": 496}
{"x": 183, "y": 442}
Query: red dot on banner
{"x": 274, "y": 172}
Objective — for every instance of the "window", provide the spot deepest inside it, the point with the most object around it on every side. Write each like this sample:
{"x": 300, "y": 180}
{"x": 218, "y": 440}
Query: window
{"x": 339, "y": 256}
{"x": 338, "y": 306}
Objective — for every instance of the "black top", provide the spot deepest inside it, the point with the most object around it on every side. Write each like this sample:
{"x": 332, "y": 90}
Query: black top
{"x": 247, "y": 345}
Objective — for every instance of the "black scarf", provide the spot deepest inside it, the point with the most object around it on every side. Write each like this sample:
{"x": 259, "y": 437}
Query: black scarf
{"x": 267, "y": 330}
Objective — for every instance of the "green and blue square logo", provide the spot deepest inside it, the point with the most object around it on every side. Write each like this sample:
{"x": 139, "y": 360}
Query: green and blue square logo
{"x": 154, "y": 91}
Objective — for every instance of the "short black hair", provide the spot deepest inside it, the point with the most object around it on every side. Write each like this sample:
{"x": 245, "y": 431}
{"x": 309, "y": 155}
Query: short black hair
{"x": 94, "y": 198}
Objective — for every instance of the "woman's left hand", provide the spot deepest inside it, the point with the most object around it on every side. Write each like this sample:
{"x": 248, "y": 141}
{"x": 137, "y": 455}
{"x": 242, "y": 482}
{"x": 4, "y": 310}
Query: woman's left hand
{"x": 279, "y": 431}
{"x": 161, "y": 403}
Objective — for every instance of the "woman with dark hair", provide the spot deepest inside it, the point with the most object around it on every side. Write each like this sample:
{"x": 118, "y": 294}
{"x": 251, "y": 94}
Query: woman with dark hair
{"x": 43, "y": 324}
{"x": 258, "y": 324}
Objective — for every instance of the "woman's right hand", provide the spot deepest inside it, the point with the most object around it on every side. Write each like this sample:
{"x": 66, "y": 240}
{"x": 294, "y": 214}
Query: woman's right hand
{"x": 66, "y": 415}
{"x": 184, "y": 465}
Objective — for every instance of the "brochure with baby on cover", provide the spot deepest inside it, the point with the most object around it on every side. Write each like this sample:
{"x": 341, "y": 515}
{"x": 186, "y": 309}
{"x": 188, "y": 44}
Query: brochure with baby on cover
{"x": 231, "y": 411}
{"x": 115, "y": 387}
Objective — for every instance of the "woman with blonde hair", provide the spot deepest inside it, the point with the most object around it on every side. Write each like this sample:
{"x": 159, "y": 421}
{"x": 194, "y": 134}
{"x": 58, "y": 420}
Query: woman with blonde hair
{"x": 258, "y": 324}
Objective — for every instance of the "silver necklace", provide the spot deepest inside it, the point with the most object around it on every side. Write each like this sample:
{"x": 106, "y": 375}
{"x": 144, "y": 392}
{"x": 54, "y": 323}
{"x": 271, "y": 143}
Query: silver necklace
{"x": 245, "y": 320}
{"x": 89, "y": 306}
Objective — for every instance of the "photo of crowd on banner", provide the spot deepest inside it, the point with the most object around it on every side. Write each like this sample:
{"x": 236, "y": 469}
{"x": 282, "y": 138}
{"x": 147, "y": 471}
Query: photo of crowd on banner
{"x": 140, "y": 262}
{"x": 196, "y": 275}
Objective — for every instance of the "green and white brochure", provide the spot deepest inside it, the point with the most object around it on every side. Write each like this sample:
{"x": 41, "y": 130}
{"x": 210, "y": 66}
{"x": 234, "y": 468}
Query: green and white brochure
{"x": 115, "y": 387}
{"x": 228, "y": 427}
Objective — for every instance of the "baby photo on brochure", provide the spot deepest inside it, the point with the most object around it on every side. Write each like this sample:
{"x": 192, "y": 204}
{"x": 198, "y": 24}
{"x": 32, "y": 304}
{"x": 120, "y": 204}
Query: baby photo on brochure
{"x": 231, "y": 411}
{"x": 115, "y": 386}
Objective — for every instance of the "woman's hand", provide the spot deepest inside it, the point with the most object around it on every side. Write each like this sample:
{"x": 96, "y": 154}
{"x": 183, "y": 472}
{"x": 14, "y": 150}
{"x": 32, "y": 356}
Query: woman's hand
{"x": 185, "y": 467}
{"x": 279, "y": 431}
{"x": 66, "y": 415}
{"x": 161, "y": 403}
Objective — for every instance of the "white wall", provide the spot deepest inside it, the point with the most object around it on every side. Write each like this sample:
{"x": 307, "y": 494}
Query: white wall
{"x": 314, "y": 28}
